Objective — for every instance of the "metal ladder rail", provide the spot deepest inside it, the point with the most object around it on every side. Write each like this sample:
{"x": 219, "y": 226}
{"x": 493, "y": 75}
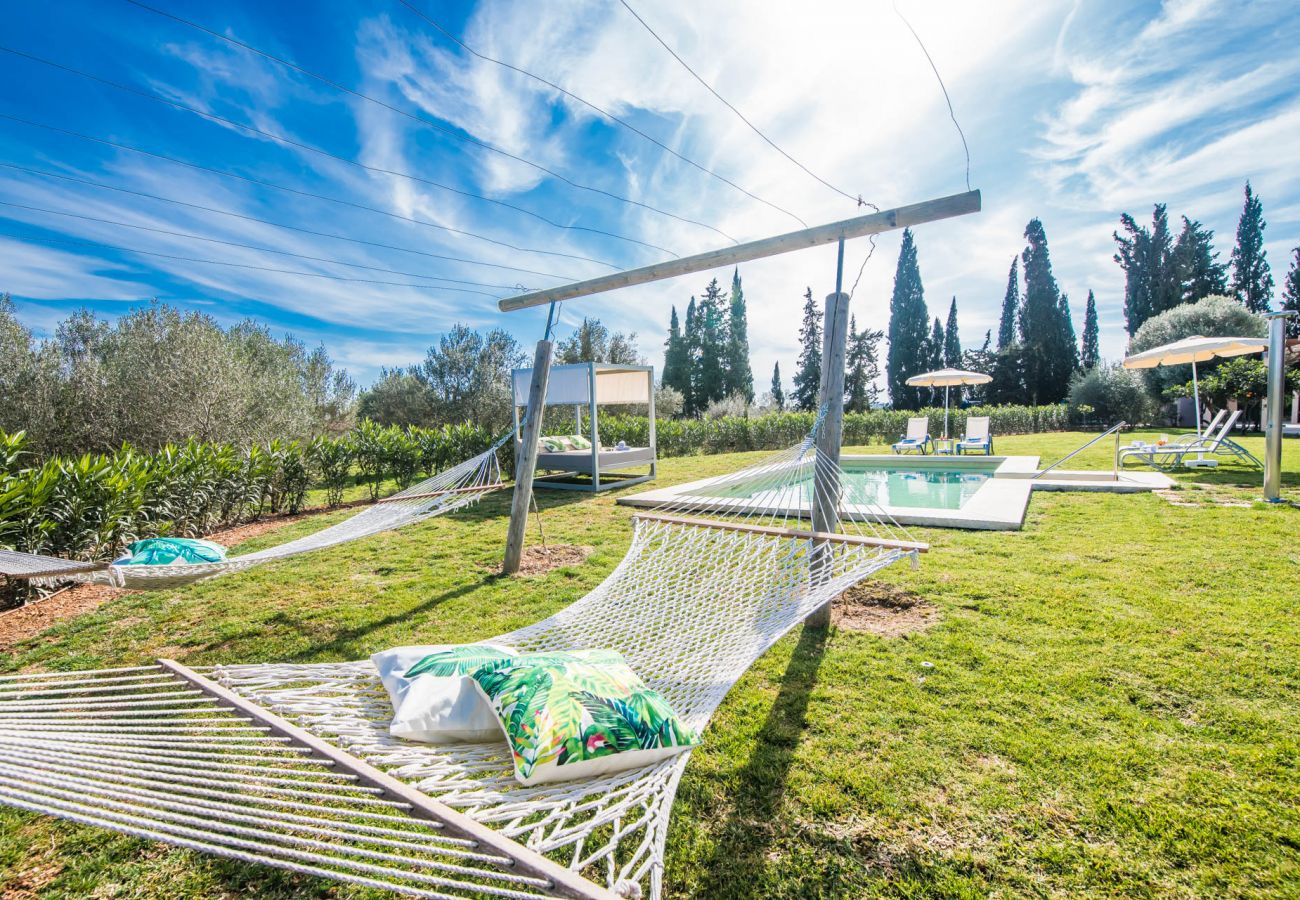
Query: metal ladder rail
{"x": 1113, "y": 430}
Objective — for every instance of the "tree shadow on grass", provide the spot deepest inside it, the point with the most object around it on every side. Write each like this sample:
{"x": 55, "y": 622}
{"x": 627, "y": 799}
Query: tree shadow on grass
{"x": 344, "y": 642}
{"x": 748, "y": 834}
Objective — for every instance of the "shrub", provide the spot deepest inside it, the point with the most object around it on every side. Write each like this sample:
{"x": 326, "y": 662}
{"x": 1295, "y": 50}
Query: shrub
{"x": 1112, "y": 393}
{"x": 332, "y": 460}
{"x": 1211, "y": 317}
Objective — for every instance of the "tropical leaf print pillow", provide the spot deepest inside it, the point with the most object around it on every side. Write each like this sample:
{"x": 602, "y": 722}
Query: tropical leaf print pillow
{"x": 432, "y": 702}
{"x": 578, "y": 715}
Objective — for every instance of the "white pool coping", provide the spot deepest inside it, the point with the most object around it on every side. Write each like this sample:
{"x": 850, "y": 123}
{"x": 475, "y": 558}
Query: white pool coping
{"x": 999, "y": 504}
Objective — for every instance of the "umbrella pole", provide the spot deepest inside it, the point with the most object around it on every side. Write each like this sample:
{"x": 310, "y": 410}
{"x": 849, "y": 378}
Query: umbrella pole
{"x": 945, "y": 412}
{"x": 1196, "y": 399}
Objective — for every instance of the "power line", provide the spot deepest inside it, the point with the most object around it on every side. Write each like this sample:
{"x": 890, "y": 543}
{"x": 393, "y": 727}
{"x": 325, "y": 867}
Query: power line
{"x": 285, "y": 225}
{"x": 427, "y": 122}
{"x": 754, "y": 128}
{"x": 268, "y": 184}
{"x": 198, "y": 237}
{"x": 325, "y": 153}
{"x": 601, "y": 111}
{"x": 215, "y": 262}
{"x": 951, "y": 113}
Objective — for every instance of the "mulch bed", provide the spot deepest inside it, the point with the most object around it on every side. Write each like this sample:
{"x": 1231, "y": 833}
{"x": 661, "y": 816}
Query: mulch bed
{"x": 883, "y": 609}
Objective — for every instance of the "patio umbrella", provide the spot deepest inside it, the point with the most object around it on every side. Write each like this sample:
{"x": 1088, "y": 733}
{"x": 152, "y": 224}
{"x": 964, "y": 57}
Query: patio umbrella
{"x": 1192, "y": 350}
{"x": 946, "y": 378}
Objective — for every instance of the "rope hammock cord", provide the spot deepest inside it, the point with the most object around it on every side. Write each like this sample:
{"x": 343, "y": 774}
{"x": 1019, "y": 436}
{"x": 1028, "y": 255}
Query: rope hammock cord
{"x": 691, "y": 606}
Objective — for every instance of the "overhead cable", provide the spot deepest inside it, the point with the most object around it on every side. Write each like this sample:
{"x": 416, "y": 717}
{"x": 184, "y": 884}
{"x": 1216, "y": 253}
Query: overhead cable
{"x": 300, "y": 145}
{"x": 427, "y": 122}
{"x": 604, "y": 113}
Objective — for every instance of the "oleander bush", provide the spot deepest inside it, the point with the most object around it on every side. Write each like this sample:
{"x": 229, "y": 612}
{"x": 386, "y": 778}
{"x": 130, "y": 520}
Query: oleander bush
{"x": 91, "y": 506}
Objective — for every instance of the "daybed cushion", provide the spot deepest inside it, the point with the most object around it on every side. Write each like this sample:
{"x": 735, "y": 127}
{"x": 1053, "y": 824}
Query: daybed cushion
{"x": 432, "y": 700}
{"x": 609, "y": 459}
{"x": 579, "y": 715}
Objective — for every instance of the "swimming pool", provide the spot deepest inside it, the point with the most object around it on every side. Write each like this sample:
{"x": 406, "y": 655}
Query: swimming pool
{"x": 901, "y": 484}
{"x": 959, "y": 492}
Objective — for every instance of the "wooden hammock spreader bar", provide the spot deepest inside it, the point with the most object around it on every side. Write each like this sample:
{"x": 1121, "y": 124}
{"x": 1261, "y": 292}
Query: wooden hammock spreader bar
{"x": 875, "y": 223}
{"x": 398, "y": 498}
{"x": 564, "y": 882}
{"x": 829, "y": 537}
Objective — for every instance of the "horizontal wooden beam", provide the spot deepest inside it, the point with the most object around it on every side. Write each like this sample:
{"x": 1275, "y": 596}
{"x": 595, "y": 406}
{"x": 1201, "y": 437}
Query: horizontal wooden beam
{"x": 827, "y": 536}
{"x": 875, "y": 223}
{"x": 564, "y": 883}
{"x": 484, "y": 488}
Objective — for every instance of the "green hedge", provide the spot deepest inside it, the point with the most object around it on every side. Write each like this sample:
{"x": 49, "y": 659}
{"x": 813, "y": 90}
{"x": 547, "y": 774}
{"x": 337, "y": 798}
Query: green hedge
{"x": 730, "y": 434}
{"x": 92, "y": 506}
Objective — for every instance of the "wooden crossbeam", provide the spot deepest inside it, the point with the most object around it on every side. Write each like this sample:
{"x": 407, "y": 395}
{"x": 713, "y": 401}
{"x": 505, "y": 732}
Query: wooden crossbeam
{"x": 485, "y": 488}
{"x": 829, "y": 537}
{"x": 565, "y": 883}
{"x": 875, "y": 223}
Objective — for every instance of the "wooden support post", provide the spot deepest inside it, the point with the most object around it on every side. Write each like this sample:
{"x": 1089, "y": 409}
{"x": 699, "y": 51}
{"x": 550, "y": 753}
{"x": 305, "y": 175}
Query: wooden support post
{"x": 826, "y": 480}
{"x": 526, "y": 458}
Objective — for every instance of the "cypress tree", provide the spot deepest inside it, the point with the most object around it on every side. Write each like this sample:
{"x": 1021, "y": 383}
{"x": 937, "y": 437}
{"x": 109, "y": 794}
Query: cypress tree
{"x": 677, "y": 367}
{"x": 808, "y": 375}
{"x": 1010, "y": 303}
{"x": 778, "y": 393}
{"x": 711, "y": 374}
{"x": 1091, "y": 352}
{"x": 934, "y": 347}
{"x": 691, "y": 360}
{"x": 1134, "y": 257}
{"x": 740, "y": 379}
{"x": 862, "y": 365}
{"x": 1048, "y": 353}
{"x": 951, "y": 342}
{"x": 908, "y": 326}
{"x": 1252, "y": 282}
{"x": 1291, "y": 295}
{"x": 1196, "y": 264}
{"x": 1166, "y": 292}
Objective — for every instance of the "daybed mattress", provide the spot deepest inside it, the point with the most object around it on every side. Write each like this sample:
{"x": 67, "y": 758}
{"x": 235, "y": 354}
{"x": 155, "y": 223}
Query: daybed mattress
{"x": 580, "y": 460}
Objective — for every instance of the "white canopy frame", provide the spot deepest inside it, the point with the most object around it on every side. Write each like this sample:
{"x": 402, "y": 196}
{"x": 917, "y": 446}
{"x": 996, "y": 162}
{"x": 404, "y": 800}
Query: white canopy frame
{"x": 590, "y": 386}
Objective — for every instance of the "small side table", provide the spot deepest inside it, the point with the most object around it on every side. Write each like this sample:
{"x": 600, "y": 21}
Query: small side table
{"x": 944, "y": 445}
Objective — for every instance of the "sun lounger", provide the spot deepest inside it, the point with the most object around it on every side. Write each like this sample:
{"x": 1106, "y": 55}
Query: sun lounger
{"x": 1204, "y": 450}
{"x": 978, "y": 436}
{"x": 917, "y": 437}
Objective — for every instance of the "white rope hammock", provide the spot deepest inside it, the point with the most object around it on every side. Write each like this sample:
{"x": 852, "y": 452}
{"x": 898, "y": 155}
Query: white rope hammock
{"x": 459, "y": 486}
{"x": 691, "y": 606}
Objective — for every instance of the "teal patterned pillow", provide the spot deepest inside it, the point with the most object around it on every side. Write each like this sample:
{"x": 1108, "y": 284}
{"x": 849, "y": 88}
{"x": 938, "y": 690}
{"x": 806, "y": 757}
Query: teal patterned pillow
{"x": 578, "y": 715}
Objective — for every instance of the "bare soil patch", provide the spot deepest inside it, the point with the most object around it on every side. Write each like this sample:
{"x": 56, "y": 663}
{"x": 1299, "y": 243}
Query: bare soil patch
{"x": 540, "y": 560}
{"x": 883, "y": 609}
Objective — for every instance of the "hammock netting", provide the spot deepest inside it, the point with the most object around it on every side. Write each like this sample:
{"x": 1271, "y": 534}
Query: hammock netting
{"x": 452, "y": 489}
{"x": 692, "y": 605}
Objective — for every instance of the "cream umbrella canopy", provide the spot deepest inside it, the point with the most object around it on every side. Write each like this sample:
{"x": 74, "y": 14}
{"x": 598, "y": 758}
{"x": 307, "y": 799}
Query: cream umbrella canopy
{"x": 1192, "y": 350}
{"x": 947, "y": 378}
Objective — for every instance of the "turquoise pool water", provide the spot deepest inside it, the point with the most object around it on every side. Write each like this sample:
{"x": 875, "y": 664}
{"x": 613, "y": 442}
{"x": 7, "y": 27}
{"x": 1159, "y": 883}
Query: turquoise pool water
{"x": 901, "y": 484}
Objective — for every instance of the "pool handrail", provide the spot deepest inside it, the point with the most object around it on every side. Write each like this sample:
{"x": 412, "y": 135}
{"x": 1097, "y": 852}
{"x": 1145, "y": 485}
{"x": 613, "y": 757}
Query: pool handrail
{"x": 1113, "y": 430}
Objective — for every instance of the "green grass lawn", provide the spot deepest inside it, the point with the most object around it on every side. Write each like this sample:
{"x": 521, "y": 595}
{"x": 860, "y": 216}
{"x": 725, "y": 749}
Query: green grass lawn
{"x": 1113, "y": 705}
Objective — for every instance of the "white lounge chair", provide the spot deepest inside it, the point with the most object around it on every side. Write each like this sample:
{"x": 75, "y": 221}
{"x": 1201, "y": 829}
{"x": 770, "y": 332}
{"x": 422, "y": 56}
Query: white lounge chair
{"x": 978, "y": 436}
{"x": 917, "y": 437}
{"x": 1174, "y": 454}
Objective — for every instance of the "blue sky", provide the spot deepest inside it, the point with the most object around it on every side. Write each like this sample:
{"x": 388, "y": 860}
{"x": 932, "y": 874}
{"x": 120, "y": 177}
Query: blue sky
{"x": 1073, "y": 112}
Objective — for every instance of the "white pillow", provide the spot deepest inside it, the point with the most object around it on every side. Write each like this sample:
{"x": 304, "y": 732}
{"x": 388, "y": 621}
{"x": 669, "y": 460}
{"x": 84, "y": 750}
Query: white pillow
{"x": 440, "y": 706}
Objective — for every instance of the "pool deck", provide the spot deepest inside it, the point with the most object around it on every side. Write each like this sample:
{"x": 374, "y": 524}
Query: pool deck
{"x": 999, "y": 504}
